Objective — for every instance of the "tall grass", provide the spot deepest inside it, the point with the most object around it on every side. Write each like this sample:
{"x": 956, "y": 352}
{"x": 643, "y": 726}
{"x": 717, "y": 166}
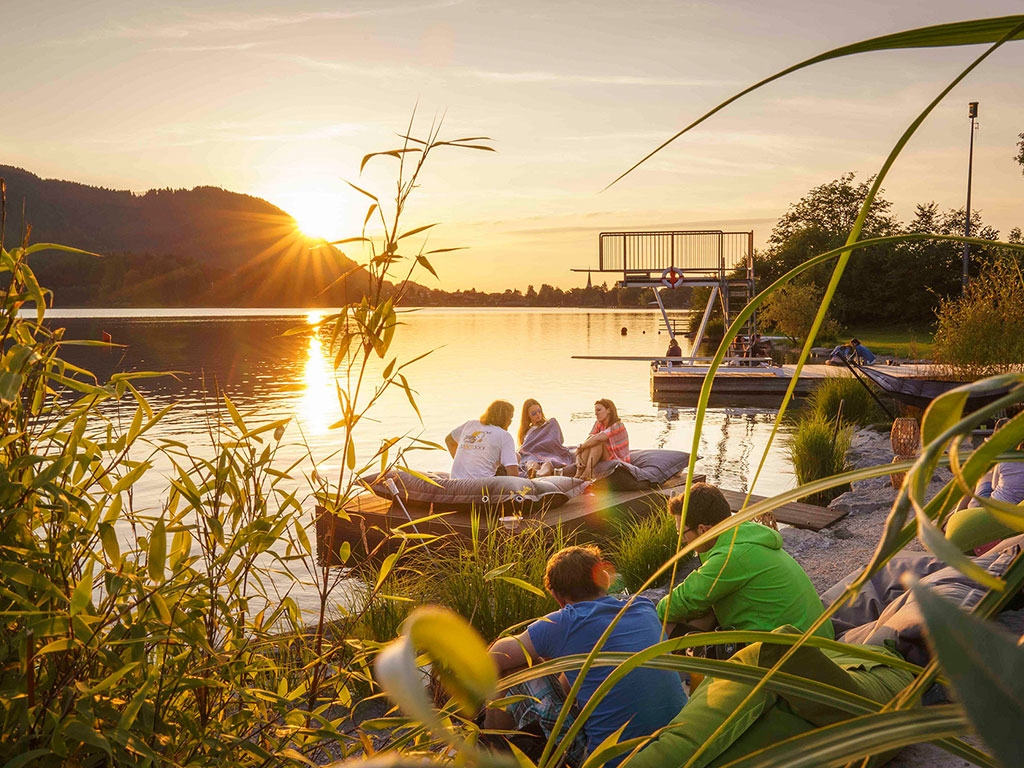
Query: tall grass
{"x": 641, "y": 544}
{"x": 858, "y": 406}
{"x": 817, "y": 449}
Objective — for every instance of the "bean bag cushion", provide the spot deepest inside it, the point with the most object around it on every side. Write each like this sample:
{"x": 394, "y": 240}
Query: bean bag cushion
{"x": 768, "y": 717}
{"x": 645, "y": 469}
{"x": 975, "y": 526}
{"x": 491, "y": 493}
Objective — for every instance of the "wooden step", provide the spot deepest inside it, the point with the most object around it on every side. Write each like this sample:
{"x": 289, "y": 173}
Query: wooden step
{"x": 796, "y": 513}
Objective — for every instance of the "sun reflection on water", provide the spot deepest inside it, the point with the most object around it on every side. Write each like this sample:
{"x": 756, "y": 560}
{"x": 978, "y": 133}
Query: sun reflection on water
{"x": 320, "y": 406}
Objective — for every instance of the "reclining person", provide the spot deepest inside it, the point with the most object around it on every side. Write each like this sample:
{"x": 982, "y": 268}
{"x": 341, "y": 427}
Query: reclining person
{"x": 746, "y": 580}
{"x": 644, "y": 700}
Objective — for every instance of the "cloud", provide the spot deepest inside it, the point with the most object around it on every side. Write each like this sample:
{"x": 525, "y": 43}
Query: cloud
{"x": 199, "y": 25}
{"x": 202, "y": 48}
{"x": 565, "y": 77}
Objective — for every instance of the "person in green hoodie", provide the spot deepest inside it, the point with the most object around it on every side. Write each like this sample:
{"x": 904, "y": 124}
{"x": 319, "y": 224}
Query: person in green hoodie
{"x": 746, "y": 580}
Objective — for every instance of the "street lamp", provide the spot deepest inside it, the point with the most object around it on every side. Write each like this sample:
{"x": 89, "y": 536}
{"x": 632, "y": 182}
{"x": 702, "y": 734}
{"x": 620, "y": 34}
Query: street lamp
{"x": 972, "y": 112}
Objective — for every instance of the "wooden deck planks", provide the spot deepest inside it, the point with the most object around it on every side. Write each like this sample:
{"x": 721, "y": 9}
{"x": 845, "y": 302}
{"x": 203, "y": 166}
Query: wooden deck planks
{"x": 795, "y": 513}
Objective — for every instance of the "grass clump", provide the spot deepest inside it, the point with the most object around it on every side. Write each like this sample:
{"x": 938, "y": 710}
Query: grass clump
{"x": 641, "y": 545}
{"x": 818, "y": 449}
{"x": 858, "y": 406}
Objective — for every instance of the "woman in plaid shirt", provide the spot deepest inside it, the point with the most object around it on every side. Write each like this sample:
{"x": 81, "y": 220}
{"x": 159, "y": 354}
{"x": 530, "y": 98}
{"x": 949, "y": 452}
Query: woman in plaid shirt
{"x": 608, "y": 440}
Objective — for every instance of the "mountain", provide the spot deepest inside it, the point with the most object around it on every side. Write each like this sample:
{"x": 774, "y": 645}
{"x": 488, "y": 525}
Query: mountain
{"x": 200, "y": 247}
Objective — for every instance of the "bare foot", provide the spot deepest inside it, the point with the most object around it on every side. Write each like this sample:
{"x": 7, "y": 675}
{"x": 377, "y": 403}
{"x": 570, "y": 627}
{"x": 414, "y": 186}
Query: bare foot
{"x": 545, "y": 470}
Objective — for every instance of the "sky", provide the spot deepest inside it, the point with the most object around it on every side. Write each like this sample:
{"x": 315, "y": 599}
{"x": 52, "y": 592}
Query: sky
{"x": 283, "y": 101}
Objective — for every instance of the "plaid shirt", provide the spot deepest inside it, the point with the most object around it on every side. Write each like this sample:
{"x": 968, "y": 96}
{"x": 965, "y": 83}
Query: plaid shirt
{"x": 618, "y": 440}
{"x": 544, "y": 699}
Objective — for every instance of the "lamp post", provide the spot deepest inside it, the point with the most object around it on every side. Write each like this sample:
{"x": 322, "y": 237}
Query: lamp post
{"x": 972, "y": 112}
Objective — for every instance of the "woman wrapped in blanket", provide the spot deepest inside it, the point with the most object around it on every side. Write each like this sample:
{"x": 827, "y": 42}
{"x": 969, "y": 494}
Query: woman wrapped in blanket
{"x": 607, "y": 441}
{"x": 541, "y": 445}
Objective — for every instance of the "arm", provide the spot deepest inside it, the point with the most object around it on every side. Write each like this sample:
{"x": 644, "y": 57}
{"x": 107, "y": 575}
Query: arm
{"x": 453, "y": 446}
{"x": 595, "y": 439}
{"x": 509, "y": 457}
{"x": 513, "y": 652}
{"x": 719, "y": 576}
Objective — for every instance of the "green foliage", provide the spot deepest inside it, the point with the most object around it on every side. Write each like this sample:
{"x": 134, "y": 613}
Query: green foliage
{"x": 982, "y": 332}
{"x": 641, "y": 544}
{"x": 817, "y": 450}
{"x": 858, "y": 407}
{"x": 495, "y": 583}
{"x": 791, "y": 309}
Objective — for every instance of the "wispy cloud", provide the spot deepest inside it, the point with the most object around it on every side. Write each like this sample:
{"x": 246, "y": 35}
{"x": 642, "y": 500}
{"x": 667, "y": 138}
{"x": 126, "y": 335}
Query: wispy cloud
{"x": 203, "y": 48}
{"x": 566, "y": 77}
{"x": 332, "y": 65}
{"x": 189, "y": 135}
{"x": 207, "y": 24}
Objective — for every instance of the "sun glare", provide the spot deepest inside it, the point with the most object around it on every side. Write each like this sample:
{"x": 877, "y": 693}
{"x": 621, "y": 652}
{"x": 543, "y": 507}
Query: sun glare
{"x": 322, "y": 207}
{"x": 320, "y": 406}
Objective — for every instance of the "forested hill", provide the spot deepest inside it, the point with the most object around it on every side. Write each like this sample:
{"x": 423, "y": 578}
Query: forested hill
{"x": 200, "y": 247}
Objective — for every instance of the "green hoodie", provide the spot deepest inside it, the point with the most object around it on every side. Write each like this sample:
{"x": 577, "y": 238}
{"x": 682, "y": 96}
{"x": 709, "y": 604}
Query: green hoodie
{"x": 750, "y": 582}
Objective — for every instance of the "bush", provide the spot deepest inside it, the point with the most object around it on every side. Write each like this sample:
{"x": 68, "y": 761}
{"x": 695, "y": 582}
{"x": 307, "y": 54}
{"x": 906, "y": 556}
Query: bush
{"x": 791, "y": 310}
{"x": 642, "y": 545}
{"x": 495, "y": 583}
{"x": 858, "y": 405}
{"x": 981, "y": 333}
{"x": 817, "y": 449}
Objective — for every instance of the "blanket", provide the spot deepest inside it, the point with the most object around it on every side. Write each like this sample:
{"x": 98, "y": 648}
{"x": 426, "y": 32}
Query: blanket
{"x": 545, "y": 443}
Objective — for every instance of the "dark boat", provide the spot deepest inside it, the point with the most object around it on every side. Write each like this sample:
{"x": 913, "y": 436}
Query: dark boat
{"x": 919, "y": 392}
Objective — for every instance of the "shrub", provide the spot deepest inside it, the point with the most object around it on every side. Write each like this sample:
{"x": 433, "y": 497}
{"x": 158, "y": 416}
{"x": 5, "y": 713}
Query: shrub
{"x": 859, "y": 407}
{"x": 817, "y": 449}
{"x": 642, "y": 545}
{"x": 981, "y": 333}
{"x": 791, "y": 310}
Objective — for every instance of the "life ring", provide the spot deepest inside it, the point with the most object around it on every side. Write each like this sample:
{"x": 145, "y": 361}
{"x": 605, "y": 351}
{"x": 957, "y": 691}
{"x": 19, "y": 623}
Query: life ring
{"x": 671, "y": 278}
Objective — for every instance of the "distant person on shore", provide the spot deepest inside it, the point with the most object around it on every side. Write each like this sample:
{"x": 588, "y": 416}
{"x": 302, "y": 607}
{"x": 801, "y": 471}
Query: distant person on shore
{"x": 674, "y": 350}
{"x": 541, "y": 445}
{"x": 643, "y": 701}
{"x": 481, "y": 447}
{"x": 608, "y": 440}
{"x": 746, "y": 580}
{"x": 854, "y": 352}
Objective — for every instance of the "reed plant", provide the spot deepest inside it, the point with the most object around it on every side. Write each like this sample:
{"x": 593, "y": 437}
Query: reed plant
{"x": 641, "y": 544}
{"x": 817, "y": 449}
{"x": 846, "y": 398}
{"x": 980, "y": 664}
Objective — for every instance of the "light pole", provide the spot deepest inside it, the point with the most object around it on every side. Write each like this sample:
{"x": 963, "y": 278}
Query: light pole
{"x": 972, "y": 112}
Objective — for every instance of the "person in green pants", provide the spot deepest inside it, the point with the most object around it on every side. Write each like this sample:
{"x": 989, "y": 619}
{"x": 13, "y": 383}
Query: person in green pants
{"x": 746, "y": 580}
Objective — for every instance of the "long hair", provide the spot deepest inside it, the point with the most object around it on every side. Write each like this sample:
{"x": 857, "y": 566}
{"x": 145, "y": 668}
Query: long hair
{"x": 524, "y": 417}
{"x": 498, "y": 414}
{"x": 613, "y": 412}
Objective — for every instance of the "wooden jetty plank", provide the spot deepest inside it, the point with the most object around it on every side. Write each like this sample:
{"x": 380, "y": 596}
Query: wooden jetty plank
{"x": 795, "y": 513}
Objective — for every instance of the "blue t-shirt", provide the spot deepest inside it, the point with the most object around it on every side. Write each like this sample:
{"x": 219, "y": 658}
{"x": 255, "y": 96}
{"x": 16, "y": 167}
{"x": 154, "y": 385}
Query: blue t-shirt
{"x": 647, "y": 698}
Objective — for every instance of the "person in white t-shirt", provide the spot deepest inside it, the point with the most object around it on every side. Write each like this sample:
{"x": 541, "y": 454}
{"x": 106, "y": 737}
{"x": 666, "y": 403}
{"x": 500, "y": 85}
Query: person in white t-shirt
{"x": 480, "y": 447}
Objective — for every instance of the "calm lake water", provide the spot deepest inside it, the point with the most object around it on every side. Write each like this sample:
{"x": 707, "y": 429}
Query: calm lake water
{"x": 479, "y": 355}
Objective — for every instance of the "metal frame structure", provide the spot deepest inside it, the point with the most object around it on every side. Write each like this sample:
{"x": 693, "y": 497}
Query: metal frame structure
{"x": 721, "y": 261}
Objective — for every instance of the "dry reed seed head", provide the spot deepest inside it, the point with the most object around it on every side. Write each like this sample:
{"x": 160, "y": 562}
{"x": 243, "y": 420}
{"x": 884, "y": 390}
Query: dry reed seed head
{"x": 577, "y": 573}
{"x": 708, "y": 506}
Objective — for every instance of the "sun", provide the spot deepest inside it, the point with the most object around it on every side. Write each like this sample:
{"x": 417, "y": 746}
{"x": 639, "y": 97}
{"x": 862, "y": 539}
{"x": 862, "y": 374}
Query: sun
{"x": 323, "y": 208}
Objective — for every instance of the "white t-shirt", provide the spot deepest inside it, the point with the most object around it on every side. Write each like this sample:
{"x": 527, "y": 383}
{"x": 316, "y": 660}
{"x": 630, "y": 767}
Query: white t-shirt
{"x": 482, "y": 449}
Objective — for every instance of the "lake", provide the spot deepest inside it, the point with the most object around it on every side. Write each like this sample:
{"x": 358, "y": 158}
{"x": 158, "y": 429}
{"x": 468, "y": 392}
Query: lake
{"x": 479, "y": 355}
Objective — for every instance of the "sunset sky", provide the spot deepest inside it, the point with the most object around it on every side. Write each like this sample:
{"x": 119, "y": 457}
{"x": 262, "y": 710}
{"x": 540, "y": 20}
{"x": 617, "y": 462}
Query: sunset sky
{"x": 282, "y": 100}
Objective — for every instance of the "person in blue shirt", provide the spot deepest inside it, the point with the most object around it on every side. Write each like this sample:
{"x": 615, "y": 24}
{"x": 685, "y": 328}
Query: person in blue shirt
{"x": 855, "y": 352}
{"x": 644, "y": 700}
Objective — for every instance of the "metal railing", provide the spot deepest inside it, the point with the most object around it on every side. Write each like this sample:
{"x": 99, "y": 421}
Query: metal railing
{"x": 705, "y": 254}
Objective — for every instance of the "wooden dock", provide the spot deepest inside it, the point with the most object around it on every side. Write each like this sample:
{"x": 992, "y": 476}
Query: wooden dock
{"x": 755, "y": 385}
{"x": 375, "y": 526}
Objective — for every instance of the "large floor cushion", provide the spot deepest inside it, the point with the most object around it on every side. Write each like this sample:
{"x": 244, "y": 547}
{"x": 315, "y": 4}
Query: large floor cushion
{"x": 498, "y": 493}
{"x": 645, "y": 469}
{"x": 767, "y": 717}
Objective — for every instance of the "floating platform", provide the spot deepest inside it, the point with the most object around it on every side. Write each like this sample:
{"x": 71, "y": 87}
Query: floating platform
{"x": 375, "y": 526}
{"x": 681, "y": 385}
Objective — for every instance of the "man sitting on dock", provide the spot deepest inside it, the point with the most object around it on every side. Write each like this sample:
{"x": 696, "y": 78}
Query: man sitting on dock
{"x": 746, "y": 580}
{"x": 578, "y": 579}
{"x": 854, "y": 352}
{"x": 481, "y": 446}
